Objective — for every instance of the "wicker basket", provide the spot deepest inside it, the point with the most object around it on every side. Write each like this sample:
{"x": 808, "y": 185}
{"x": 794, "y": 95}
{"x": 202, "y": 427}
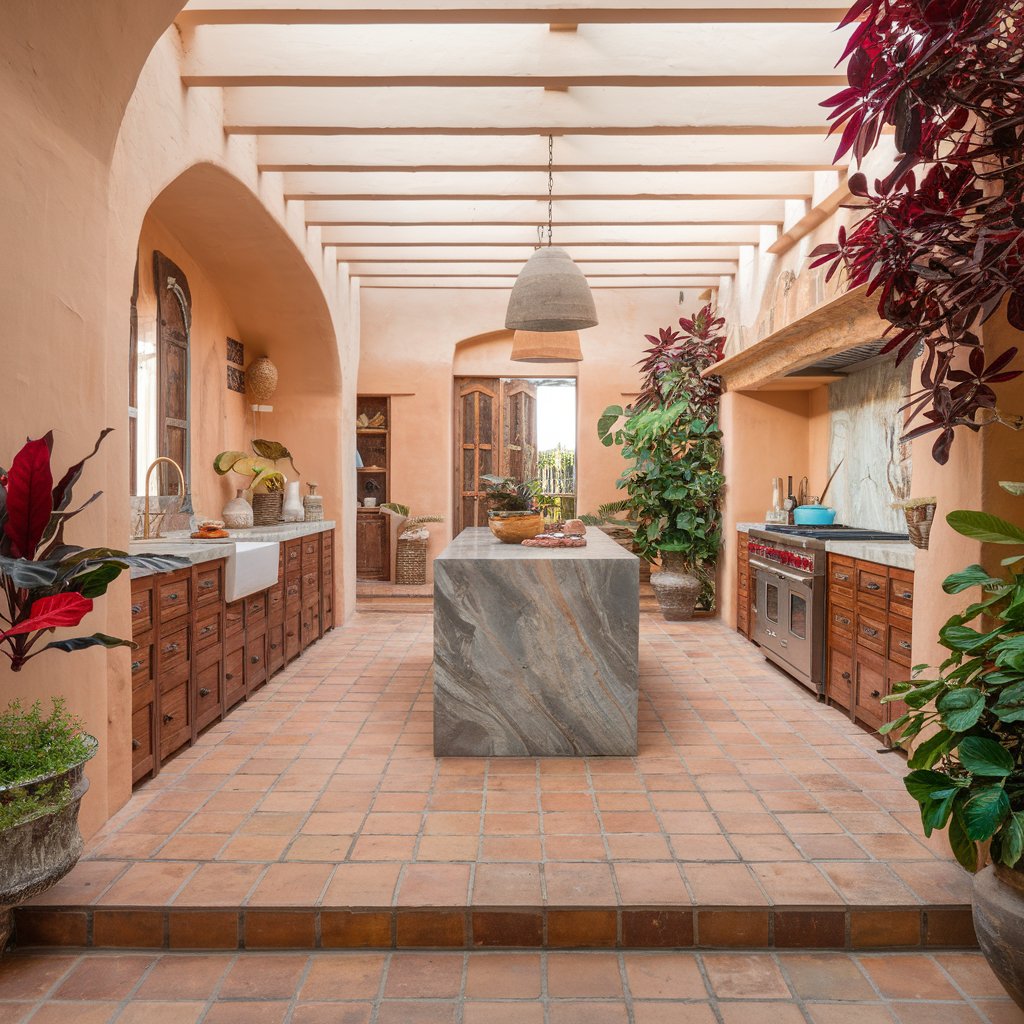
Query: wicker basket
{"x": 266, "y": 508}
{"x": 411, "y": 560}
{"x": 919, "y": 524}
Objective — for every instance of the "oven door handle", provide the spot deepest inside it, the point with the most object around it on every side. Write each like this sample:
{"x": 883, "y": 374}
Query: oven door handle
{"x": 806, "y": 581}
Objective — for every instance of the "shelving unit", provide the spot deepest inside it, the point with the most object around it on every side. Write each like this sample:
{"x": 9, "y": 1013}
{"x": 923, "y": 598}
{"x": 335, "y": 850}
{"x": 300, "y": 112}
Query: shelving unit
{"x": 373, "y": 555}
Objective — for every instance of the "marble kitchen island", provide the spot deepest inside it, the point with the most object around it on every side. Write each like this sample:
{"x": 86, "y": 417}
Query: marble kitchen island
{"x": 535, "y": 649}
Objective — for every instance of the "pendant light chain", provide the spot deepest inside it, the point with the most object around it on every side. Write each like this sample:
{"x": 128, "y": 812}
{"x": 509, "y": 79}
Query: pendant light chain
{"x": 551, "y": 182}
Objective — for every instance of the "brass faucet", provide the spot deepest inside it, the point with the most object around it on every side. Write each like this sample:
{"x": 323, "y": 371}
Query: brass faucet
{"x": 145, "y": 515}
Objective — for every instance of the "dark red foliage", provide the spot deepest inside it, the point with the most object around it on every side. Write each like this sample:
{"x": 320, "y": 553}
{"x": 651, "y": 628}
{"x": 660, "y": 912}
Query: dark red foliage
{"x": 942, "y": 242}
{"x": 29, "y": 500}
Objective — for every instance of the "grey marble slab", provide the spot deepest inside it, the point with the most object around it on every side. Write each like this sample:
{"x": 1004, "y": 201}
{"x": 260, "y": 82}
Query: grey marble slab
{"x": 536, "y": 650}
{"x": 894, "y": 553}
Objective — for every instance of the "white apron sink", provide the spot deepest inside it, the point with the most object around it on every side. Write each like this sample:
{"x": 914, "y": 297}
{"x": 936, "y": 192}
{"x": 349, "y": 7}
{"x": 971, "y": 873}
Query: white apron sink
{"x": 251, "y": 567}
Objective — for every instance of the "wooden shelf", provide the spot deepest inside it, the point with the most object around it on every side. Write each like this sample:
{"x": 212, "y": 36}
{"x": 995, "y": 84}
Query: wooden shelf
{"x": 371, "y": 469}
{"x": 371, "y": 430}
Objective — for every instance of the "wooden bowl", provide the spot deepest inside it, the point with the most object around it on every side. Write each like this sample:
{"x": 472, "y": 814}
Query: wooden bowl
{"x": 515, "y": 527}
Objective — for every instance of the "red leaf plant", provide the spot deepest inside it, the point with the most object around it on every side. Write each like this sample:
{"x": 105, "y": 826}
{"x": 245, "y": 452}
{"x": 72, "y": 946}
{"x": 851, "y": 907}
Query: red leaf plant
{"x": 942, "y": 240}
{"x": 57, "y": 588}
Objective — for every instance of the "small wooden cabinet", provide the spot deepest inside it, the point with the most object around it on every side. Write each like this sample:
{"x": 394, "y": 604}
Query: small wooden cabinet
{"x": 870, "y": 608}
{"x": 373, "y": 547}
{"x": 198, "y": 657}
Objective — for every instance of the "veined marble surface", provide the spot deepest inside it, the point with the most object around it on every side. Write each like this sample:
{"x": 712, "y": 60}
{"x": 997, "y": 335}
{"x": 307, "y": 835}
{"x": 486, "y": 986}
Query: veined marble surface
{"x": 895, "y": 553}
{"x": 536, "y": 650}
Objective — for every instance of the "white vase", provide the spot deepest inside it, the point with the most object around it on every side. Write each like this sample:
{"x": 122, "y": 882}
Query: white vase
{"x": 237, "y": 513}
{"x": 293, "y": 511}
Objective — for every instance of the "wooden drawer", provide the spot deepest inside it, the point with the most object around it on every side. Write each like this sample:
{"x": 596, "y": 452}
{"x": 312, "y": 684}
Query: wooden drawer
{"x": 234, "y": 619}
{"x": 275, "y": 647}
{"x": 327, "y": 545}
{"x": 208, "y": 630}
{"x": 173, "y": 652}
{"x": 293, "y": 556}
{"x": 143, "y": 663}
{"x": 255, "y": 611}
{"x": 292, "y": 594}
{"x": 840, "y": 623}
{"x": 142, "y": 606}
{"x": 742, "y": 616}
{"x": 743, "y": 580}
{"x": 172, "y": 597}
{"x": 234, "y": 677}
{"x": 840, "y": 580}
{"x": 310, "y": 585}
{"x": 142, "y": 741}
{"x": 275, "y": 610}
{"x": 175, "y": 720}
{"x": 255, "y": 662}
{"x": 310, "y": 552}
{"x": 839, "y": 685}
{"x": 209, "y": 583}
{"x": 872, "y": 584}
{"x": 209, "y": 687}
{"x": 871, "y": 630}
{"x": 901, "y": 593}
{"x": 870, "y": 685}
{"x": 310, "y": 623}
{"x": 898, "y": 642}
{"x": 292, "y": 634}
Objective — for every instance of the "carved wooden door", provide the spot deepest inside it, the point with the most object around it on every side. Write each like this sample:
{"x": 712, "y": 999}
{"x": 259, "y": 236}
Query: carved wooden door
{"x": 477, "y": 446}
{"x": 174, "y": 320}
{"x": 519, "y": 429}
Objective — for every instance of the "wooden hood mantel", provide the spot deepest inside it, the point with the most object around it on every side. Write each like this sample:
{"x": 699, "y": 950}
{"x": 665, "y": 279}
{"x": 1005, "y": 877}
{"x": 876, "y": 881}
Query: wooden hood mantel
{"x": 842, "y": 323}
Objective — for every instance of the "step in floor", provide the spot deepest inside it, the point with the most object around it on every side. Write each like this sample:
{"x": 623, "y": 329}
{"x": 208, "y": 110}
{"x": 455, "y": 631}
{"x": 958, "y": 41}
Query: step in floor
{"x": 315, "y": 816}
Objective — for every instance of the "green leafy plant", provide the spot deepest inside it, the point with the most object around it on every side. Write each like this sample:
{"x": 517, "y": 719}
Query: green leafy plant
{"x": 968, "y": 775}
{"x": 34, "y": 745}
{"x": 506, "y": 494}
{"x": 261, "y": 468}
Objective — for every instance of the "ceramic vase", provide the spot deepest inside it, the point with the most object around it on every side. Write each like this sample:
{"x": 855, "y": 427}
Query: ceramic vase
{"x": 293, "y": 510}
{"x": 237, "y": 513}
{"x": 676, "y": 590}
{"x": 999, "y": 924}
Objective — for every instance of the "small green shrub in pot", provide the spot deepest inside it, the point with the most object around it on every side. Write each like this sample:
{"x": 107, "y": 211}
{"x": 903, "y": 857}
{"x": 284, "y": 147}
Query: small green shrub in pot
{"x": 967, "y": 773}
{"x": 46, "y": 583}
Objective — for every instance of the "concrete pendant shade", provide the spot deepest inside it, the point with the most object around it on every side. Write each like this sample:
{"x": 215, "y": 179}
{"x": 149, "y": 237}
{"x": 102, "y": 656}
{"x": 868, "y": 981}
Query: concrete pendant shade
{"x": 550, "y": 294}
{"x": 546, "y": 347}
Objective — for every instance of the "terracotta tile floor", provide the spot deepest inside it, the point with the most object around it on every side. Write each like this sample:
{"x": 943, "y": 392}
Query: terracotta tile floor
{"x": 322, "y": 792}
{"x": 502, "y": 988}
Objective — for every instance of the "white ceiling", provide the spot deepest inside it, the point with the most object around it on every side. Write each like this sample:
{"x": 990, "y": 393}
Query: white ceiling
{"x": 414, "y": 132}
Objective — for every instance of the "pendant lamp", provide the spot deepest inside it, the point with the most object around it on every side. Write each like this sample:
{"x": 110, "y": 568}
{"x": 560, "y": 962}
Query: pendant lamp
{"x": 546, "y": 347}
{"x": 550, "y": 294}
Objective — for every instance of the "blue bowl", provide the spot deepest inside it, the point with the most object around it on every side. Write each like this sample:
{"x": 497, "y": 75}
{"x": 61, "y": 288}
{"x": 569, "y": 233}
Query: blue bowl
{"x": 814, "y": 515}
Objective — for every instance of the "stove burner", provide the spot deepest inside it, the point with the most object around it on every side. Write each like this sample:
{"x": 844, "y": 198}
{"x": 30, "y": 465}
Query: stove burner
{"x": 836, "y": 532}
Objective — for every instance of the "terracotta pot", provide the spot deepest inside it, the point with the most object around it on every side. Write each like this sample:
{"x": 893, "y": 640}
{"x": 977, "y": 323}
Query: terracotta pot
{"x": 38, "y": 853}
{"x": 515, "y": 527}
{"x": 999, "y": 923}
{"x": 676, "y": 590}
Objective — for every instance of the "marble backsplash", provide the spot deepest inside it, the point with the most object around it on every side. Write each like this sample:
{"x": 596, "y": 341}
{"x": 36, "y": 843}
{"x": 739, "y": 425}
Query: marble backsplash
{"x": 866, "y": 425}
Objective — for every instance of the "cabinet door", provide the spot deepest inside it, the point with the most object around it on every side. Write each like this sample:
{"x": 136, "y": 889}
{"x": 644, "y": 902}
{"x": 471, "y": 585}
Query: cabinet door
{"x": 839, "y": 686}
{"x": 275, "y": 647}
{"x": 372, "y": 555}
{"x": 255, "y": 662}
{"x": 292, "y": 635}
{"x": 870, "y": 688}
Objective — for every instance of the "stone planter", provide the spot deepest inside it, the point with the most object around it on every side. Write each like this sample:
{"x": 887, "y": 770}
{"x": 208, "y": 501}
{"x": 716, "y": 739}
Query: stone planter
{"x": 676, "y": 590}
{"x": 999, "y": 923}
{"x": 515, "y": 527}
{"x": 37, "y": 853}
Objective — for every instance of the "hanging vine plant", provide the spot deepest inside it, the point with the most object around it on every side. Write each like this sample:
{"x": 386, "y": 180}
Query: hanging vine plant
{"x": 942, "y": 238}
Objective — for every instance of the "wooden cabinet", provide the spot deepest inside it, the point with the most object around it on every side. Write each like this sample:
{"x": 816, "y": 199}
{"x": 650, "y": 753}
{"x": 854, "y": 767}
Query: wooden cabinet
{"x": 373, "y": 548}
{"x": 744, "y": 591}
{"x": 198, "y": 657}
{"x": 870, "y": 607}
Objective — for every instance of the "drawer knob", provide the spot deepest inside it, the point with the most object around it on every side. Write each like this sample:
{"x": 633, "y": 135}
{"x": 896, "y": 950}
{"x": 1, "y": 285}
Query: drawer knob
{"x": 868, "y": 631}
{"x": 905, "y": 645}
{"x": 171, "y": 648}
{"x": 136, "y": 609}
{"x": 290, "y": 634}
{"x": 274, "y": 646}
{"x": 842, "y": 620}
{"x": 842, "y": 576}
{"x": 846, "y": 676}
{"x": 876, "y": 694}
{"x": 208, "y": 584}
{"x": 168, "y": 718}
{"x": 873, "y": 586}
{"x": 207, "y": 630}
{"x": 172, "y": 597}
{"x": 204, "y": 691}
{"x": 136, "y": 744}
{"x": 907, "y": 595}
{"x": 229, "y": 676}
{"x": 255, "y": 659}
{"x": 136, "y": 665}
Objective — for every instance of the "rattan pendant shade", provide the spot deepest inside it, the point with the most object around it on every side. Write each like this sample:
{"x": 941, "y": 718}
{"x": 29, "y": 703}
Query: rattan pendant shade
{"x": 550, "y": 294}
{"x": 546, "y": 347}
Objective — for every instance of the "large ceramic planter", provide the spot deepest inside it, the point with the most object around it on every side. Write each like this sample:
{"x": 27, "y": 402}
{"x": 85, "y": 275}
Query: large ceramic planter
{"x": 676, "y": 590}
{"x": 999, "y": 923}
{"x": 37, "y": 853}
{"x": 515, "y": 527}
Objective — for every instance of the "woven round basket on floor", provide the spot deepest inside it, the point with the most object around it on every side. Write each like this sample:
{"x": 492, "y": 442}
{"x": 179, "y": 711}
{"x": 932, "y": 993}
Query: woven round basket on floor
{"x": 411, "y": 561}
{"x": 266, "y": 508}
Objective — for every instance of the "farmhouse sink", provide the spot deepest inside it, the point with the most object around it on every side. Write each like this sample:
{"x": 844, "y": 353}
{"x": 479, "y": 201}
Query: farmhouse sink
{"x": 251, "y": 567}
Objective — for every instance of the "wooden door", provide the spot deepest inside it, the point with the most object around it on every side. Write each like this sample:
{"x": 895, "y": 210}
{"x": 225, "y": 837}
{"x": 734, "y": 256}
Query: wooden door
{"x": 174, "y": 320}
{"x": 373, "y": 556}
{"x": 477, "y": 446}
{"x": 519, "y": 429}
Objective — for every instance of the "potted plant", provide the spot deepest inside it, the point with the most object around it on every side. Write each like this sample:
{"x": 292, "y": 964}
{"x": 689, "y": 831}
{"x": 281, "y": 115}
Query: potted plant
{"x": 515, "y": 508}
{"x": 672, "y": 439}
{"x": 260, "y": 470}
{"x": 45, "y": 584}
{"x": 968, "y": 774}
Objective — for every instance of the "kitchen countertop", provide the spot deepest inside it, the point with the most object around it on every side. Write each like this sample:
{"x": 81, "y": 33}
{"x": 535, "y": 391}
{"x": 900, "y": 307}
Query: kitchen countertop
{"x": 199, "y": 551}
{"x": 898, "y": 554}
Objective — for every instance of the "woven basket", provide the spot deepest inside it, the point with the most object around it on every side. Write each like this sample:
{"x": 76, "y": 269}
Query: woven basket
{"x": 919, "y": 524}
{"x": 261, "y": 379}
{"x": 411, "y": 560}
{"x": 266, "y": 508}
